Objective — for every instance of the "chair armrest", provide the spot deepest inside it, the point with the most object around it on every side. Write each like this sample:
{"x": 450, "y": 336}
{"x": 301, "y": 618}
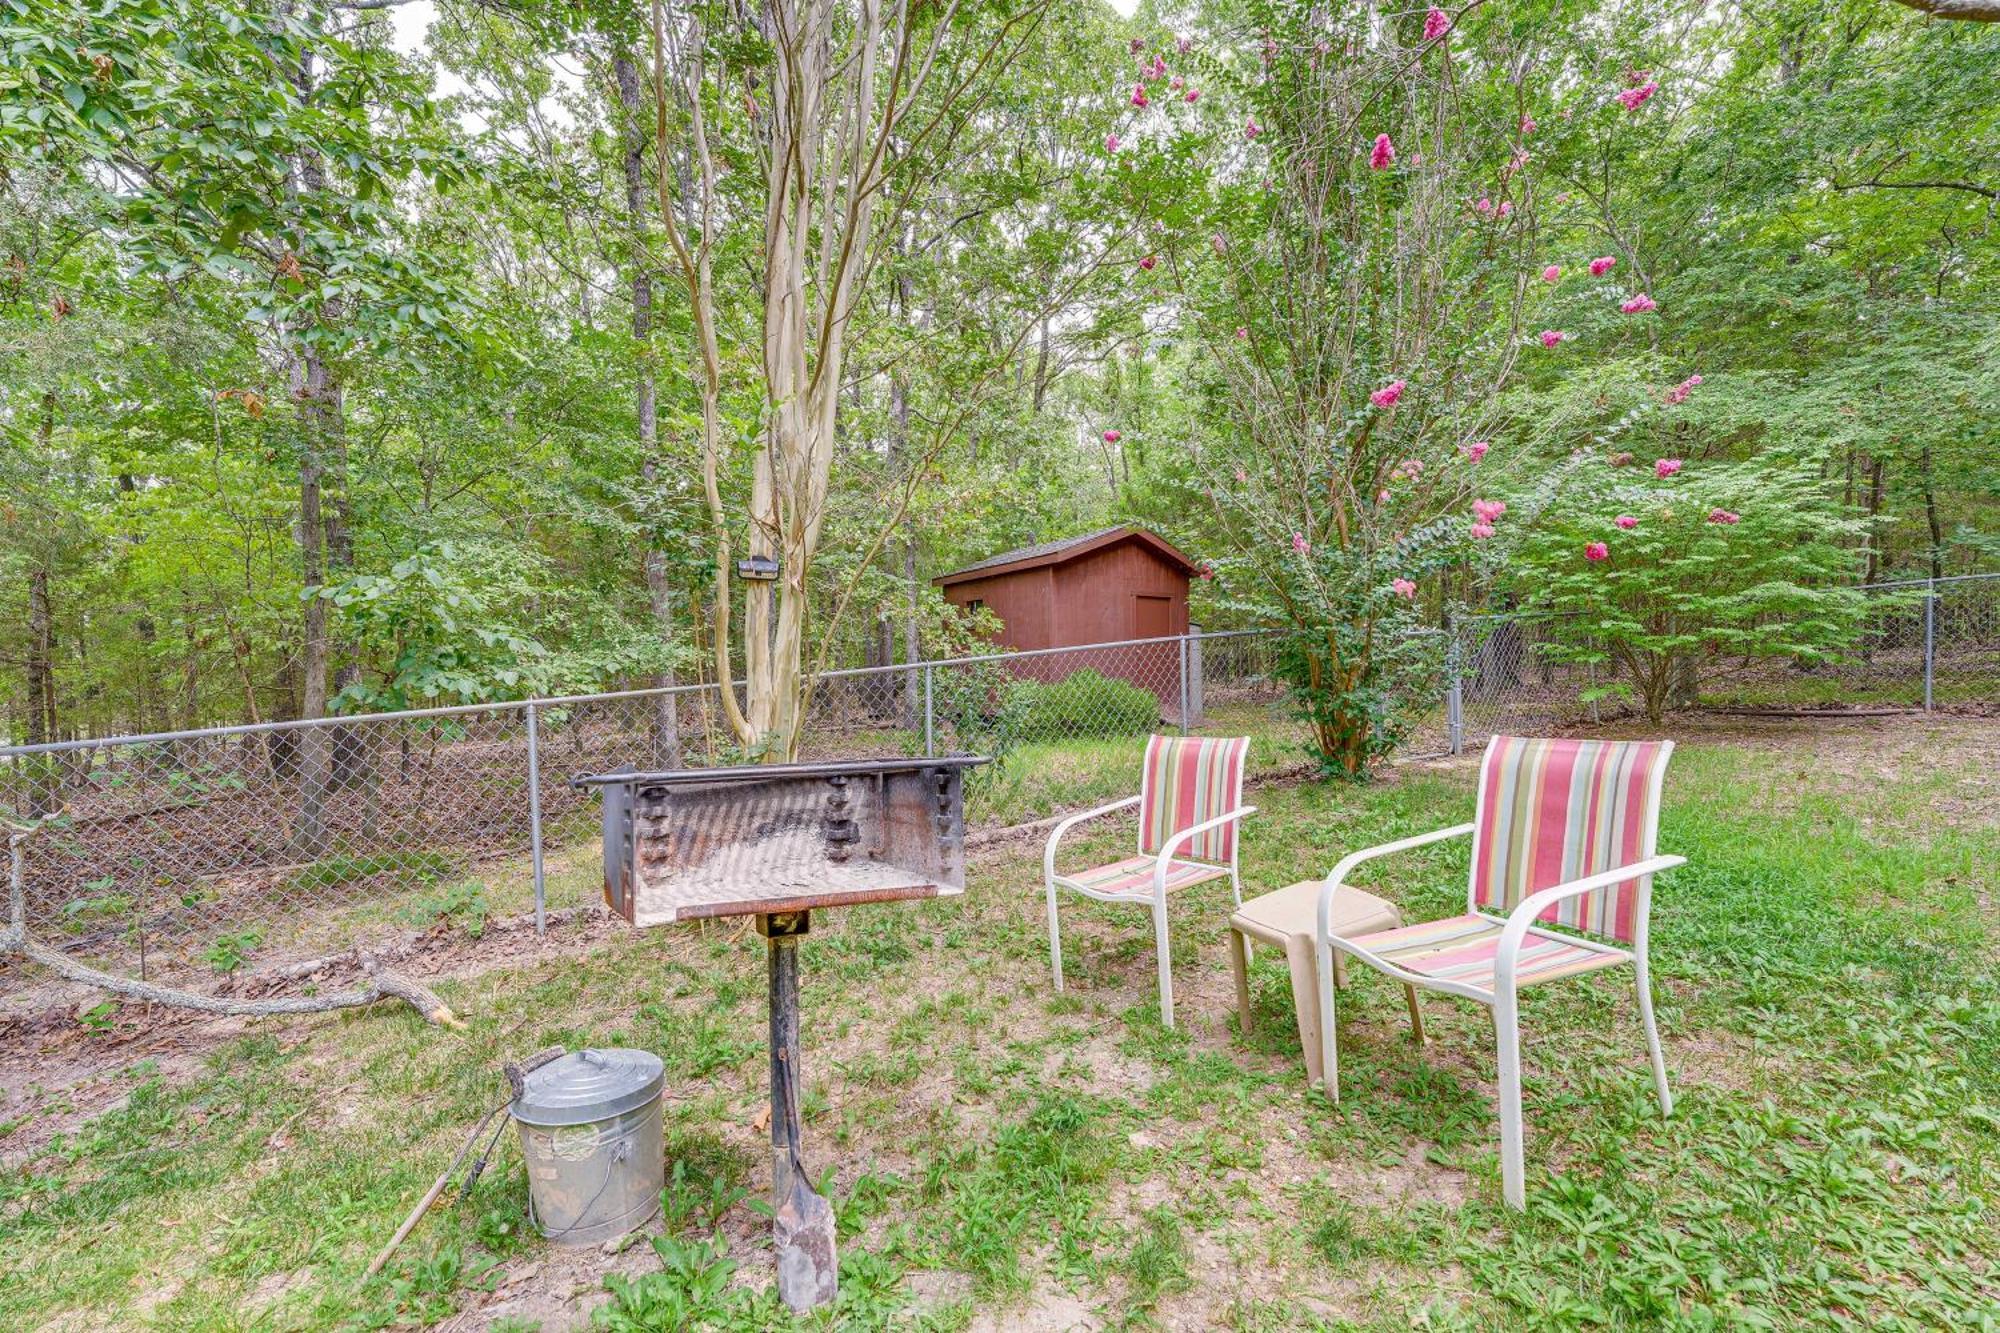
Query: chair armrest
{"x": 1530, "y": 908}
{"x": 1338, "y": 875}
{"x": 1168, "y": 848}
{"x": 1056, "y": 834}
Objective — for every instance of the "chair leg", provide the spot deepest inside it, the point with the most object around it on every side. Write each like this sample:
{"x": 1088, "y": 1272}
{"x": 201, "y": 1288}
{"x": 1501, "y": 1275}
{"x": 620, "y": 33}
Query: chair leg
{"x": 1166, "y": 964}
{"x": 1416, "y": 1015}
{"x": 1507, "y": 1029}
{"x": 1653, "y": 1036}
{"x": 1303, "y": 964}
{"x": 1055, "y": 937}
{"x": 1239, "y": 965}
{"x": 1329, "y": 1046}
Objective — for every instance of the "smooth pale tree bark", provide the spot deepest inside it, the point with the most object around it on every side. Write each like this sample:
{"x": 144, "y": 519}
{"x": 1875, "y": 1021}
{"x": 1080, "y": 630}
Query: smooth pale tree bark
{"x": 842, "y": 78}
{"x": 1968, "y": 11}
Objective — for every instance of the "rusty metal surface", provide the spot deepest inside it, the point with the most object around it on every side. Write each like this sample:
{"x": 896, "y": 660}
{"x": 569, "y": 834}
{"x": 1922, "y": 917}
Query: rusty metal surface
{"x": 690, "y": 844}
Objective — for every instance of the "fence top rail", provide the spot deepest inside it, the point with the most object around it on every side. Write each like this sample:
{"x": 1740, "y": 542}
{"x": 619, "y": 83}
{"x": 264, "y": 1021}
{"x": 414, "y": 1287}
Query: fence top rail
{"x": 549, "y": 701}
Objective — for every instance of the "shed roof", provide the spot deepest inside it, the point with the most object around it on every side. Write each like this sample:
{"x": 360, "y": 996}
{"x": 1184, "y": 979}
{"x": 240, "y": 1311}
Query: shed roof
{"x": 1065, "y": 550}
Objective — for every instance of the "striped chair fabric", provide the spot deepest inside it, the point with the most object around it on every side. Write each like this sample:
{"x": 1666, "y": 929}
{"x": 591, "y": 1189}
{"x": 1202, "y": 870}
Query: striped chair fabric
{"x": 1188, "y": 780}
{"x": 1462, "y": 949}
{"x": 1552, "y": 811}
{"x": 1133, "y": 877}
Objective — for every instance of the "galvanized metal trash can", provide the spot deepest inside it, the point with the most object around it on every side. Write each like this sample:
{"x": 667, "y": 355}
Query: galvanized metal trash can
{"x": 590, "y": 1131}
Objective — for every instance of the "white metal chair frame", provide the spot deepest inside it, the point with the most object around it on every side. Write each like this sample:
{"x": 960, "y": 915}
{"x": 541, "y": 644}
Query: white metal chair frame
{"x": 1503, "y": 1000}
{"x": 1163, "y": 860}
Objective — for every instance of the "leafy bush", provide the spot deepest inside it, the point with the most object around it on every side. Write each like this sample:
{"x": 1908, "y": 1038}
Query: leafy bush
{"x": 1669, "y": 572}
{"x": 1081, "y": 704}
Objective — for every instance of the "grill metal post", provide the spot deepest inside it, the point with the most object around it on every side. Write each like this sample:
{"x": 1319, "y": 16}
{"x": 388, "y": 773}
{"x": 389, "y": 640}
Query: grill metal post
{"x": 535, "y": 823}
{"x": 808, "y": 1268}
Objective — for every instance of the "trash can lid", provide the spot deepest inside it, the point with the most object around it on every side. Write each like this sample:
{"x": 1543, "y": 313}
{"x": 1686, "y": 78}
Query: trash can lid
{"x": 589, "y": 1085}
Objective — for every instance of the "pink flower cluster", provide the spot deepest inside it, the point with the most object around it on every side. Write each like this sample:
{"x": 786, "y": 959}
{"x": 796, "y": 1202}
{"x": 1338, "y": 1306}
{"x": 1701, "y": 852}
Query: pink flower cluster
{"x": 1111, "y": 143}
{"x": 1485, "y": 513}
{"x": 1403, "y": 587}
{"x": 1666, "y": 467}
{"x": 1477, "y": 450}
{"x": 1723, "y": 516}
{"x": 1436, "y": 24}
{"x": 1596, "y": 551}
{"x": 1148, "y": 262}
{"x": 1626, "y": 521}
{"x": 1553, "y": 273}
{"x": 1407, "y": 470}
{"x": 1112, "y": 437}
{"x": 1639, "y": 305}
{"x": 1251, "y": 129}
{"x": 1679, "y": 393}
{"x": 1602, "y": 265}
{"x": 1550, "y": 337}
{"x": 1528, "y": 128}
{"x": 1384, "y": 154}
{"x": 1388, "y": 394}
{"x": 1300, "y": 546}
{"x": 1139, "y": 97}
{"x": 1634, "y": 98}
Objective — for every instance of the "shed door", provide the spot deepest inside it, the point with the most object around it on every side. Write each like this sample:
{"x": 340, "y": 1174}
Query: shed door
{"x": 1156, "y": 617}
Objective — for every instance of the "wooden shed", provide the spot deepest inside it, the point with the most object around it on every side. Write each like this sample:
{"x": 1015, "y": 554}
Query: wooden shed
{"x": 1102, "y": 587}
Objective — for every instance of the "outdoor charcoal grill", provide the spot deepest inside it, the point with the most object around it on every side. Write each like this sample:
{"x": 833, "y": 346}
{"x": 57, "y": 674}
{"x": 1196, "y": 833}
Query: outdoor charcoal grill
{"x": 776, "y": 841}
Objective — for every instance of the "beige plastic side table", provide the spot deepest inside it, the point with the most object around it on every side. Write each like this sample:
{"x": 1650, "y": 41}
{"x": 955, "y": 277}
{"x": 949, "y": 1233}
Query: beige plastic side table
{"x": 1288, "y": 918}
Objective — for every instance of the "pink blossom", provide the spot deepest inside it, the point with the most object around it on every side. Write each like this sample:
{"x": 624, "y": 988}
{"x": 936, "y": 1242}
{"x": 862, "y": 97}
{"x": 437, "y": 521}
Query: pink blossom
{"x": 1139, "y": 95}
{"x": 1384, "y": 154}
{"x": 1137, "y": 44}
{"x": 1602, "y": 265}
{"x": 1477, "y": 449}
{"x": 1488, "y": 511}
{"x": 1506, "y": 207}
{"x": 1183, "y": 45}
{"x": 1527, "y": 126}
{"x": 1270, "y": 51}
{"x": 1723, "y": 516}
{"x": 1242, "y": 332}
{"x": 1550, "y": 337}
{"x": 1381, "y": 497}
{"x": 1635, "y": 77}
{"x": 1626, "y": 521}
{"x": 1407, "y": 470}
{"x": 1481, "y": 531}
{"x": 1193, "y": 95}
{"x": 1403, "y": 587}
{"x": 1666, "y": 467}
{"x": 1634, "y": 98}
{"x": 1597, "y": 551}
{"x": 1177, "y": 83}
{"x": 1112, "y": 437}
{"x": 1387, "y": 395}
{"x": 1220, "y": 243}
{"x": 1639, "y": 305}
{"x": 1484, "y": 205}
{"x": 1553, "y": 273}
{"x": 1300, "y": 545}
{"x": 1148, "y": 262}
{"x": 1242, "y": 476}
{"x": 1251, "y": 129}
{"x": 1111, "y": 143}
{"x": 1679, "y": 393}
{"x": 1436, "y": 24}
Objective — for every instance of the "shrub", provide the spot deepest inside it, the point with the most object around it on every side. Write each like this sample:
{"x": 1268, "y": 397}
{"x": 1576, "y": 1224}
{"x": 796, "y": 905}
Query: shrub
{"x": 1081, "y": 704}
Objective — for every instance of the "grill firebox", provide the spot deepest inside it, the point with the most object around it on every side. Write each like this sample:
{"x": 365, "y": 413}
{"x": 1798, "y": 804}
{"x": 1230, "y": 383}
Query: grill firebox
{"x": 777, "y": 841}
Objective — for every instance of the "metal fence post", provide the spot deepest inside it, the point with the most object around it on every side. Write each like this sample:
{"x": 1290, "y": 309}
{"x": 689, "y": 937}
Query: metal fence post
{"x": 1930, "y": 641}
{"x": 1185, "y": 719}
{"x": 535, "y": 823}
{"x": 1454, "y": 697}
{"x": 930, "y": 727}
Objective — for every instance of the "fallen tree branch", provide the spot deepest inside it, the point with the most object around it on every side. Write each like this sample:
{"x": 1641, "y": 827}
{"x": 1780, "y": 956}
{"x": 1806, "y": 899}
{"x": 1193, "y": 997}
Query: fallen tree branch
{"x": 382, "y": 984}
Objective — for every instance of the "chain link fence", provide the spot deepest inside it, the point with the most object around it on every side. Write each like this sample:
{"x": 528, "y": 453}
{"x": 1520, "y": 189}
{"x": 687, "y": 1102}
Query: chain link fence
{"x": 193, "y": 852}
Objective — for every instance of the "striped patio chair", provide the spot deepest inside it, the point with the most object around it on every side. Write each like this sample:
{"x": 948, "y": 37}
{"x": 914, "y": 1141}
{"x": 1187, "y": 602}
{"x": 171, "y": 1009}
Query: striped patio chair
{"x": 1564, "y": 833}
{"x": 1190, "y": 801}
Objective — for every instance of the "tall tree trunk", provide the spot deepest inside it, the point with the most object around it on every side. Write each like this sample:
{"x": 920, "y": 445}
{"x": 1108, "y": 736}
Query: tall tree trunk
{"x": 666, "y": 723}
{"x": 1931, "y": 517}
{"x": 1874, "y": 515}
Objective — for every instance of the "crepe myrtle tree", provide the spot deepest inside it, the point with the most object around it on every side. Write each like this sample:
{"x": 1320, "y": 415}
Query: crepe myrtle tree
{"x": 1669, "y": 572}
{"x": 1357, "y": 262}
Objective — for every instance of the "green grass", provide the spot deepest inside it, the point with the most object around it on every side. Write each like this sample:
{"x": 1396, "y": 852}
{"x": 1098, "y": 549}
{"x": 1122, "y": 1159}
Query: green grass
{"x": 1826, "y": 974}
